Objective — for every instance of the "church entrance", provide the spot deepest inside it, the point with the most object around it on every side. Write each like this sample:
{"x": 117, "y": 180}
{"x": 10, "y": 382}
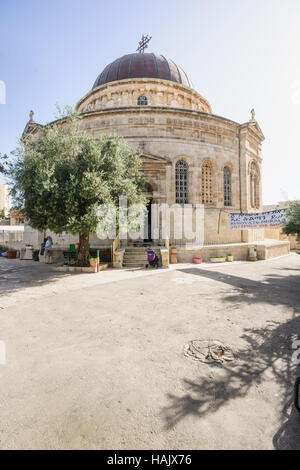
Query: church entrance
{"x": 148, "y": 222}
{"x": 149, "y": 196}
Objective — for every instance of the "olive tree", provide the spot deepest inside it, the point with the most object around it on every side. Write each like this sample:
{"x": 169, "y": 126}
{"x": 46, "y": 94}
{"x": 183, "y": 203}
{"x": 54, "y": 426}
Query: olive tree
{"x": 62, "y": 175}
{"x": 292, "y": 226}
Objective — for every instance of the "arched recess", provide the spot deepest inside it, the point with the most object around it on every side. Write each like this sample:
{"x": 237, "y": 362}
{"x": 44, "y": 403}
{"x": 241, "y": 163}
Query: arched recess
{"x": 207, "y": 182}
{"x": 254, "y": 178}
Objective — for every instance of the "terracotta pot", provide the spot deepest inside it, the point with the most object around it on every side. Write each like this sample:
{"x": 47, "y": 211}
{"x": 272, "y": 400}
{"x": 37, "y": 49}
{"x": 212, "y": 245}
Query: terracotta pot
{"x": 197, "y": 260}
{"x": 94, "y": 262}
{"x": 173, "y": 252}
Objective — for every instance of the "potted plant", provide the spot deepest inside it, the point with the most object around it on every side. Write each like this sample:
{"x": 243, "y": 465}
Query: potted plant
{"x": 217, "y": 259}
{"x": 230, "y": 257}
{"x": 197, "y": 260}
{"x": 173, "y": 255}
{"x": 94, "y": 262}
{"x": 35, "y": 255}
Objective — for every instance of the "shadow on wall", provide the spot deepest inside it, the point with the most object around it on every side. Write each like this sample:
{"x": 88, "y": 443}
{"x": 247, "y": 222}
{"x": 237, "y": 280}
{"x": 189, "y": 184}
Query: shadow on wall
{"x": 268, "y": 349}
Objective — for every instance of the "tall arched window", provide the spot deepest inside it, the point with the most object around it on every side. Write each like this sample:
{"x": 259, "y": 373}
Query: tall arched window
{"x": 181, "y": 174}
{"x": 206, "y": 180}
{"x": 227, "y": 186}
{"x": 142, "y": 101}
{"x": 254, "y": 189}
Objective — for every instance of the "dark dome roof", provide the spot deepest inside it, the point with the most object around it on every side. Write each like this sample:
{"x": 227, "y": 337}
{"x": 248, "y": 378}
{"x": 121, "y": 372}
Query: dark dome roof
{"x": 142, "y": 66}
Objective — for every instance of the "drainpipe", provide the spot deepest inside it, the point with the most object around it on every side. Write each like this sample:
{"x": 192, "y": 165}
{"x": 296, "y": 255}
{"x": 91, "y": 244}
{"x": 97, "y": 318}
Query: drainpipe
{"x": 240, "y": 170}
{"x": 240, "y": 177}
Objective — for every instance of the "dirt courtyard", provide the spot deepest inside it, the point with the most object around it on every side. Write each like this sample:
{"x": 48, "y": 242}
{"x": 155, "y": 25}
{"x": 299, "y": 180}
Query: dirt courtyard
{"x": 97, "y": 361}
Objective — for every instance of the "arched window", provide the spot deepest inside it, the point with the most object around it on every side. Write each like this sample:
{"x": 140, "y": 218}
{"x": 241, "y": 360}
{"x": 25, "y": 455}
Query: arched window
{"x": 148, "y": 188}
{"x": 181, "y": 173}
{"x": 254, "y": 181}
{"x": 142, "y": 101}
{"x": 206, "y": 180}
{"x": 227, "y": 186}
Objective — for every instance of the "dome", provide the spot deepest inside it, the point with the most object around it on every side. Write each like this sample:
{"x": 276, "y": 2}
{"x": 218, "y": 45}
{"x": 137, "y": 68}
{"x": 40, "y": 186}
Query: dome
{"x": 141, "y": 65}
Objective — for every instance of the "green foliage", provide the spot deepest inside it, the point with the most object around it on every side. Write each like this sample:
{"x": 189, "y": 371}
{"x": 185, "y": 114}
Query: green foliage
{"x": 61, "y": 176}
{"x": 3, "y": 163}
{"x": 292, "y": 226}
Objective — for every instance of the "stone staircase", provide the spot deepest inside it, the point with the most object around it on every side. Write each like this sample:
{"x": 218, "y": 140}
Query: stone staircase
{"x": 136, "y": 257}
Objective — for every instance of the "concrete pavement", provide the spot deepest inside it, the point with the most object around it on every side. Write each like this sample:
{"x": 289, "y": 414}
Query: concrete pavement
{"x": 96, "y": 361}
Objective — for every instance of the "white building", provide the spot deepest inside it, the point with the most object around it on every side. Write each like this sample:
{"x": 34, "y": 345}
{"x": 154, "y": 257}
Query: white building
{"x": 5, "y": 198}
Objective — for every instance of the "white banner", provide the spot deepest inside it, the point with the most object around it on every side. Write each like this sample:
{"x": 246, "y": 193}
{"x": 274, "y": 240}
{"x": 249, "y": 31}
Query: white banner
{"x": 263, "y": 220}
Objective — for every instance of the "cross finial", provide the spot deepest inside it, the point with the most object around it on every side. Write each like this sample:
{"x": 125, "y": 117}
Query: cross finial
{"x": 253, "y": 114}
{"x": 143, "y": 44}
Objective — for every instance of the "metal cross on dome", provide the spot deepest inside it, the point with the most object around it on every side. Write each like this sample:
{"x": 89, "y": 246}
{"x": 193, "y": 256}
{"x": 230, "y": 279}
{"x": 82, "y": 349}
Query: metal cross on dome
{"x": 143, "y": 44}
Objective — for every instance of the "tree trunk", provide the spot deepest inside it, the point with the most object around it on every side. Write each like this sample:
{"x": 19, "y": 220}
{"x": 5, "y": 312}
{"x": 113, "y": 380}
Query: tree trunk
{"x": 83, "y": 257}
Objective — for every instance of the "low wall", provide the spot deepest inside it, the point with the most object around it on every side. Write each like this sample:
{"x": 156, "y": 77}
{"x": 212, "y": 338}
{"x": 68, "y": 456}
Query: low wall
{"x": 272, "y": 250}
{"x": 11, "y": 235}
{"x": 265, "y": 250}
{"x": 276, "y": 234}
{"x": 239, "y": 251}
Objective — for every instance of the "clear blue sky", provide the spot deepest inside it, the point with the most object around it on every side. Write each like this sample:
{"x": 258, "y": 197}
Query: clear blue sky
{"x": 239, "y": 55}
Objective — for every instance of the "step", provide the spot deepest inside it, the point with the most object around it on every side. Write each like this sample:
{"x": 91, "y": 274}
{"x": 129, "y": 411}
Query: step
{"x": 136, "y": 250}
{"x": 134, "y": 265}
{"x": 135, "y": 257}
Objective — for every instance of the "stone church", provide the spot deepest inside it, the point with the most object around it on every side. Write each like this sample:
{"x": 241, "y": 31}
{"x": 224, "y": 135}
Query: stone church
{"x": 189, "y": 154}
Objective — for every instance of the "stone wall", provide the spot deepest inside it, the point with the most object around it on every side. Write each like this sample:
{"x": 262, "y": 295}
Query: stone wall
{"x": 265, "y": 250}
{"x": 276, "y": 234}
{"x": 158, "y": 92}
{"x": 166, "y": 132}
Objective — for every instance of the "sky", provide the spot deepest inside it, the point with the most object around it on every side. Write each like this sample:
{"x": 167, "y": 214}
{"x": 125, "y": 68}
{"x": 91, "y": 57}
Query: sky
{"x": 238, "y": 54}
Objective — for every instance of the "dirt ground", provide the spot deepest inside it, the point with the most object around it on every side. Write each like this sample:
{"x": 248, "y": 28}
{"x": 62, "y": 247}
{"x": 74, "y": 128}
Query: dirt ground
{"x": 96, "y": 361}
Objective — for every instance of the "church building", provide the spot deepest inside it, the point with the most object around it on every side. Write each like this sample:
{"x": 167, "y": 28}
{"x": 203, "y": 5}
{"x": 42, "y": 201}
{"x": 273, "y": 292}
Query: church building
{"x": 190, "y": 156}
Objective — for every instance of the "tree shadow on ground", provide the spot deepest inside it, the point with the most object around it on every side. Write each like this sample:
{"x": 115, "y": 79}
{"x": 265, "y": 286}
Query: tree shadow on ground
{"x": 18, "y": 275}
{"x": 268, "y": 352}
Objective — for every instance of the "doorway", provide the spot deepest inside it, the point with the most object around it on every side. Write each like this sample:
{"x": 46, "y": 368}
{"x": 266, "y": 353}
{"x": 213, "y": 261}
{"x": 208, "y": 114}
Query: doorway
{"x": 148, "y": 218}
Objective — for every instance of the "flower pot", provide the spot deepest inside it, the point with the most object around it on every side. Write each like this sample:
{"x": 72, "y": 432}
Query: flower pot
{"x": 11, "y": 254}
{"x": 197, "y": 260}
{"x": 173, "y": 255}
{"x": 94, "y": 262}
{"x": 218, "y": 260}
{"x": 230, "y": 258}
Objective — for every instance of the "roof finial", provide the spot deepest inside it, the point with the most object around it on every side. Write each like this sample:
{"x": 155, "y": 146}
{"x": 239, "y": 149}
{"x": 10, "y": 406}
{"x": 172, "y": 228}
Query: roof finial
{"x": 253, "y": 114}
{"x": 143, "y": 44}
{"x": 31, "y": 116}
